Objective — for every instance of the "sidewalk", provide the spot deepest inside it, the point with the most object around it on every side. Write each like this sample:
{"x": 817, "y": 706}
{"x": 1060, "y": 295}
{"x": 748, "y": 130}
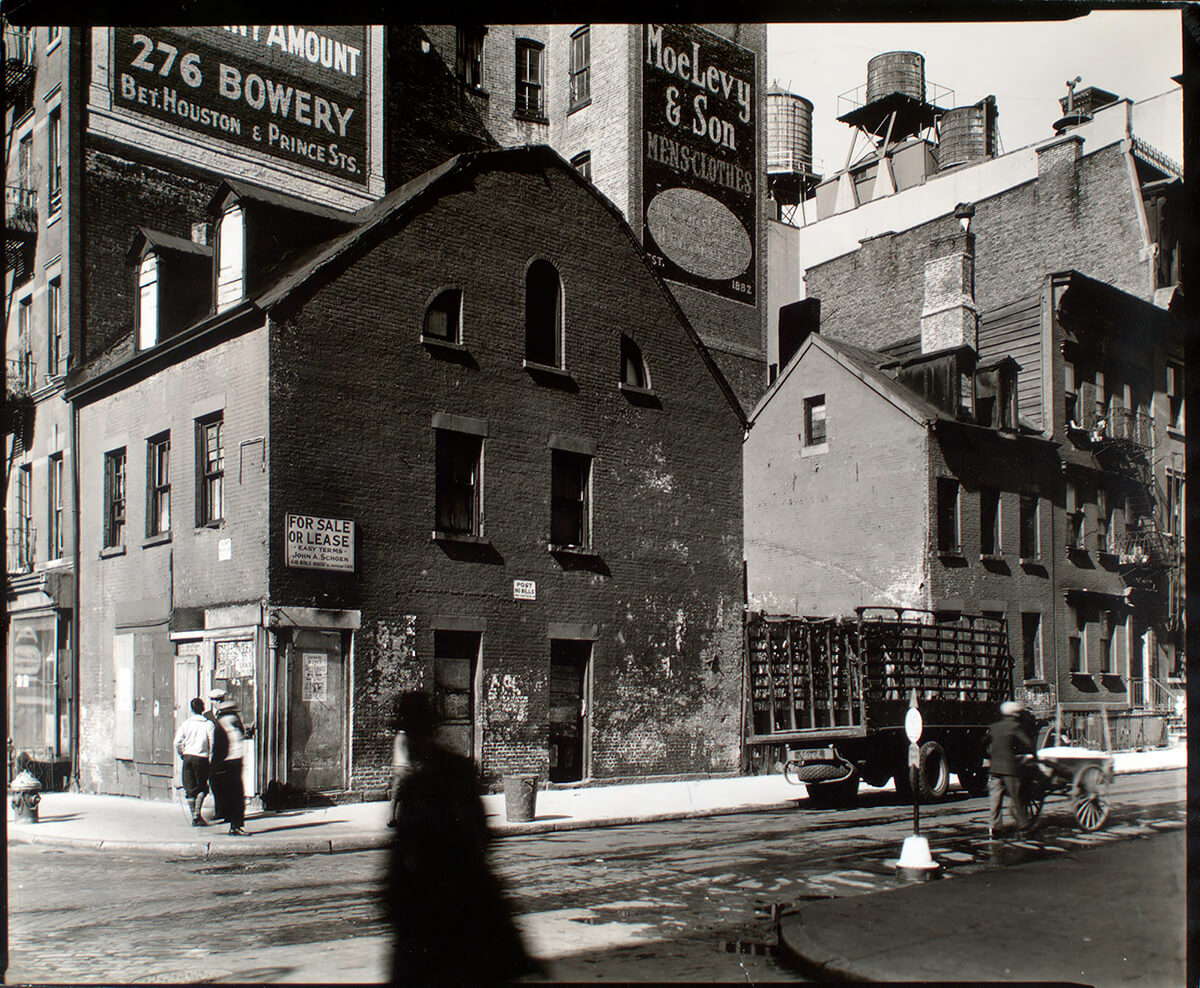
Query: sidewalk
{"x": 136, "y": 826}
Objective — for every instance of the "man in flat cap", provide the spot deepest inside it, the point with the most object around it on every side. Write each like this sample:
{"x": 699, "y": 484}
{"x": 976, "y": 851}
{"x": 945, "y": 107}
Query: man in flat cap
{"x": 1007, "y": 742}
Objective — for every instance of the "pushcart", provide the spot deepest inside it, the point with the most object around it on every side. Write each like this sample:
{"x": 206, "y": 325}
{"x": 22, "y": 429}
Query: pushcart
{"x": 1082, "y": 774}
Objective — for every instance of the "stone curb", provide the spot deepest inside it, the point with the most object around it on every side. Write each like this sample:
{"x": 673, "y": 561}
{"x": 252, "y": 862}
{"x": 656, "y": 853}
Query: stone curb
{"x": 358, "y": 842}
{"x": 374, "y": 841}
{"x": 814, "y": 961}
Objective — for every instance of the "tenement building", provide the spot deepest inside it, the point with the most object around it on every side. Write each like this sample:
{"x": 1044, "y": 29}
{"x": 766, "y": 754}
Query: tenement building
{"x": 188, "y": 172}
{"x": 1045, "y": 485}
{"x": 354, "y": 459}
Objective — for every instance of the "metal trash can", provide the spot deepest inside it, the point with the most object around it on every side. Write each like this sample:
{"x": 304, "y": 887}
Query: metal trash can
{"x": 520, "y": 797}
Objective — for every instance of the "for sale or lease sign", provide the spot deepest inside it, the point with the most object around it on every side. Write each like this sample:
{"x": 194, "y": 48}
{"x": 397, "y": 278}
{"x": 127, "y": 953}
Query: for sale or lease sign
{"x": 319, "y": 543}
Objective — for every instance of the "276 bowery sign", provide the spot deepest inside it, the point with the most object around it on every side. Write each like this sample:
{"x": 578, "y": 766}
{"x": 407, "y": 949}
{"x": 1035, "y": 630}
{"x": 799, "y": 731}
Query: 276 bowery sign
{"x": 319, "y": 543}
{"x": 295, "y": 93}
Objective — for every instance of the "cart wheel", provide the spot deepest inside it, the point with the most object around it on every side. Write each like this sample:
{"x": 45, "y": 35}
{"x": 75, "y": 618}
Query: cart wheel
{"x": 1090, "y": 799}
{"x": 1035, "y": 798}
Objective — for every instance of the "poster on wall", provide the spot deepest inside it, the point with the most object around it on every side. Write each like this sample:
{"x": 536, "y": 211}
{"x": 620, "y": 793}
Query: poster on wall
{"x": 699, "y": 178}
{"x": 316, "y": 677}
{"x": 295, "y": 93}
{"x": 319, "y": 543}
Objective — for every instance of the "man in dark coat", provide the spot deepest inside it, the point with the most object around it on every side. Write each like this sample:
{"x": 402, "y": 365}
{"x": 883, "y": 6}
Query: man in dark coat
{"x": 439, "y": 884}
{"x": 1007, "y": 741}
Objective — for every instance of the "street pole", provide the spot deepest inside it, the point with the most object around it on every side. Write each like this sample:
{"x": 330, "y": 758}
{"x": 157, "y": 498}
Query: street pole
{"x": 915, "y": 860}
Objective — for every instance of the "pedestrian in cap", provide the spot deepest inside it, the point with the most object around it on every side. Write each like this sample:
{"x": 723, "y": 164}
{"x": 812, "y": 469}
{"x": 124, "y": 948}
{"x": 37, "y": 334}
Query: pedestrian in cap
{"x": 1007, "y": 742}
{"x": 226, "y": 774}
{"x": 193, "y": 743}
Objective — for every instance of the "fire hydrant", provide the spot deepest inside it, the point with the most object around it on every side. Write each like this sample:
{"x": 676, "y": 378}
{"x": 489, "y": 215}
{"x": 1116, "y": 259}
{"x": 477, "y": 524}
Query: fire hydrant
{"x": 26, "y": 794}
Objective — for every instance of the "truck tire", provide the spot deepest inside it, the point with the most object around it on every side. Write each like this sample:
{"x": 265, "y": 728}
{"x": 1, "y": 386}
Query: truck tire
{"x": 933, "y": 771}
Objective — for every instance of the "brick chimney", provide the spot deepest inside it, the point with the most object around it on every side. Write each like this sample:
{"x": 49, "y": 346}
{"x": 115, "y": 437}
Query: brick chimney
{"x": 949, "y": 317}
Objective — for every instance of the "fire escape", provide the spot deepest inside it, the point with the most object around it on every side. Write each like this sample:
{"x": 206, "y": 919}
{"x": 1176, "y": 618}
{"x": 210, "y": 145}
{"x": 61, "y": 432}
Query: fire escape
{"x": 1122, "y": 441}
{"x": 20, "y": 240}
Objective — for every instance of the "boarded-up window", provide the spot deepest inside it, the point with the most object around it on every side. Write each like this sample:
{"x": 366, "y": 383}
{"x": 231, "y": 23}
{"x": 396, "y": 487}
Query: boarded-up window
{"x": 122, "y": 733}
{"x": 455, "y": 658}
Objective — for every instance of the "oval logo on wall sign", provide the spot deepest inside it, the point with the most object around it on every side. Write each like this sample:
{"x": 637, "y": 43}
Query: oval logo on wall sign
{"x": 698, "y": 233}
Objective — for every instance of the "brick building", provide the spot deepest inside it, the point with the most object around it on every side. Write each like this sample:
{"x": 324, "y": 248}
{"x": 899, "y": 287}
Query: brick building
{"x": 519, "y": 489}
{"x": 41, "y": 201}
{"x": 1004, "y": 465}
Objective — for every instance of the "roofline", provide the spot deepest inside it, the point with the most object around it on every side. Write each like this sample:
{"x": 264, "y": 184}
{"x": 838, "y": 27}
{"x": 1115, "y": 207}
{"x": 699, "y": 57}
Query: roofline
{"x": 895, "y": 395}
{"x": 427, "y": 185}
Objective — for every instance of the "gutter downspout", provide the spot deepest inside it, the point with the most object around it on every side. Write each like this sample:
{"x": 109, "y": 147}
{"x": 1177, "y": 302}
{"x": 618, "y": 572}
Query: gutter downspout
{"x": 75, "y": 620}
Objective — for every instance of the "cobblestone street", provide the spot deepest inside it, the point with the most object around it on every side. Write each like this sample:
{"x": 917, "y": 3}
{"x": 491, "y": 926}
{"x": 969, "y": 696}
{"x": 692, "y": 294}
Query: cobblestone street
{"x": 687, "y": 900}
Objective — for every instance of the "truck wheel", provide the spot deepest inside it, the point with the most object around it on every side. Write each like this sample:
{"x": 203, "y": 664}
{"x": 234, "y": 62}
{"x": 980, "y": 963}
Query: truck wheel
{"x": 933, "y": 771}
{"x": 844, "y": 792}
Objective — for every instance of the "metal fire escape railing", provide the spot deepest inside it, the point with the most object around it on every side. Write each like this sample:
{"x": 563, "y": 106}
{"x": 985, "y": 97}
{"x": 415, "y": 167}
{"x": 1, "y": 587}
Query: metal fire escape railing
{"x": 1122, "y": 440}
{"x": 21, "y": 540}
{"x": 20, "y": 375}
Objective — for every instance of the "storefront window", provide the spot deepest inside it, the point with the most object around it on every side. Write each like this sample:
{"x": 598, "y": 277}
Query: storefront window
{"x": 33, "y": 710}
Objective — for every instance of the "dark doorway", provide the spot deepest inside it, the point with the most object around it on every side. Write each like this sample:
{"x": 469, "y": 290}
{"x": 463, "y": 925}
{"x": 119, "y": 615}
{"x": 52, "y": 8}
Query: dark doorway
{"x": 568, "y": 708}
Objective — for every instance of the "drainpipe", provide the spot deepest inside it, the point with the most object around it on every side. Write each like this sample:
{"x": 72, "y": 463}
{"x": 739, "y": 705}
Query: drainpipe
{"x": 75, "y": 621}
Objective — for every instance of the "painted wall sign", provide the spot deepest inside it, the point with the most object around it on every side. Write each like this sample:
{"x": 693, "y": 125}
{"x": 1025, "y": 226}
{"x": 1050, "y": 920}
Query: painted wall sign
{"x": 316, "y": 677}
{"x": 699, "y": 180}
{"x": 295, "y": 93}
{"x": 524, "y": 590}
{"x": 319, "y": 543}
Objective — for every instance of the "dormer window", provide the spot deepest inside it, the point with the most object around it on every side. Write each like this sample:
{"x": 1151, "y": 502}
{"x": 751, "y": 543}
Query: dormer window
{"x": 231, "y": 258}
{"x": 147, "y": 331}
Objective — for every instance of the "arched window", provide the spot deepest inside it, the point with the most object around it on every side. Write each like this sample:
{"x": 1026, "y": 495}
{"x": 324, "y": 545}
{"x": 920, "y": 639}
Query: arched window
{"x": 231, "y": 258}
{"x": 543, "y": 315}
{"x": 634, "y": 372}
{"x": 147, "y": 333}
{"x": 443, "y": 318}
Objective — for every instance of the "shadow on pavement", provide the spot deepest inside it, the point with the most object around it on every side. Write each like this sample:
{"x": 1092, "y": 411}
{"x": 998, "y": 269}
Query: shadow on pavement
{"x": 294, "y": 826}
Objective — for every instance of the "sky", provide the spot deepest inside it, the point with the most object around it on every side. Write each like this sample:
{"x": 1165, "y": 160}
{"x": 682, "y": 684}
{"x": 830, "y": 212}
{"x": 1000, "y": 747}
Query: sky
{"x": 1024, "y": 64}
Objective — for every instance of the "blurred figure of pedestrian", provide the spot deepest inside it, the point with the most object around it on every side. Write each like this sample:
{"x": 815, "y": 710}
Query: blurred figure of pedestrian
{"x": 439, "y": 887}
{"x": 1007, "y": 743}
{"x": 194, "y": 744}
{"x": 401, "y": 763}
{"x": 226, "y": 772}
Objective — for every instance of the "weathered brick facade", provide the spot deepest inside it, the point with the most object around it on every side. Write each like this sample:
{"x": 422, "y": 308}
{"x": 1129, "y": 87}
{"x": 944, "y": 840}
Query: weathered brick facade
{"x": 663, "y": 588}
{"x": 1080, "y": 213}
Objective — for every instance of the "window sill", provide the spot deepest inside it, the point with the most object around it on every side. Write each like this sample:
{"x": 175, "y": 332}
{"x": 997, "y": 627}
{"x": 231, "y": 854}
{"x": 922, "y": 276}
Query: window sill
{"x": 54, "y": 215}
{"x": 1175, "y": 432}
{"x": 439, "y": 536}
{"x": 1030, "y": 560}
{"x": 530, "y": 117}
{"x": 951, "y": 556}
{"x": 219, "y": 523}
{"x": 579, "y": 106}
{"x": 112, "y": 550}
{"x": 434, "y": 343}
{"x": 571, "y": 550}
{"x": 159, "y": 538}
{"x": 991, "y": 557}
{"x": 1036, "y": 681}
{"x": 815, "y": 449}
{"x": 546, "y": 374}
{"x": 639, "y": 396}
{"x": 474, "y": 89}
{"x": 1108, "y": 556}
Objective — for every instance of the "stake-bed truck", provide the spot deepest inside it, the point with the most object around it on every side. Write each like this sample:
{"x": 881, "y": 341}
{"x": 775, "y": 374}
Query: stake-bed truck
{"x": 826, "y": 697}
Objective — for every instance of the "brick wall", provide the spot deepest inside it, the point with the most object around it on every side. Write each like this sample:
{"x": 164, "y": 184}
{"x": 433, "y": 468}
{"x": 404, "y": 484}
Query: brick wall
{"x": 352, "y": 438}
{"x": 1083, "y": 217}
{"x": 833, "y": 530}
{"x": 121, "y": 194}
